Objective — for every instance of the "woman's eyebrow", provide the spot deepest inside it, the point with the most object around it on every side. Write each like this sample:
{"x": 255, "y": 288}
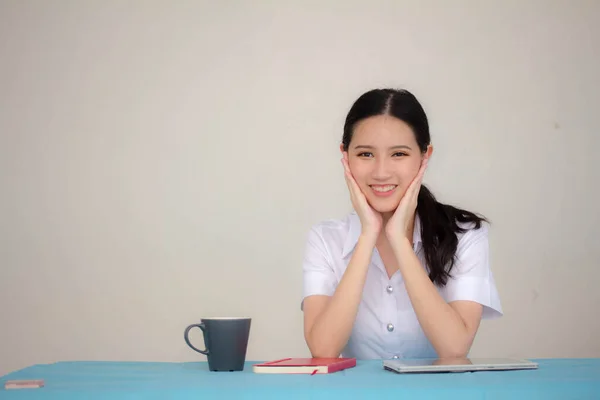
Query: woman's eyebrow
{"x": 364, "y": 146}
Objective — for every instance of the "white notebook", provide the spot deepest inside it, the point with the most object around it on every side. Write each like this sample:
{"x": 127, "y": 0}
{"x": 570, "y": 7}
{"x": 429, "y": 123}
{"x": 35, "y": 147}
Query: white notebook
{"x": 457, "y": 365}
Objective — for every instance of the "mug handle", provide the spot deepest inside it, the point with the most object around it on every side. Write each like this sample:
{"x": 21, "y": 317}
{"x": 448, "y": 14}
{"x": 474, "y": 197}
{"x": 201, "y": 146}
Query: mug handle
{"x": 187, "y": 339}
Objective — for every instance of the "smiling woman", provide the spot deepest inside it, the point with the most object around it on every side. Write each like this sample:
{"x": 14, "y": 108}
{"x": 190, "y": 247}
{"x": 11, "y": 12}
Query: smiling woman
{"x": 384, "y": 159}
{"x": 403, "y": 275}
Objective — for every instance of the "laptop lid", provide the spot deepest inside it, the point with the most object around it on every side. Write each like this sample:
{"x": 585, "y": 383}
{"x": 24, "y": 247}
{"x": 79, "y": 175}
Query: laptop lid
{"x": 456, "y": 365}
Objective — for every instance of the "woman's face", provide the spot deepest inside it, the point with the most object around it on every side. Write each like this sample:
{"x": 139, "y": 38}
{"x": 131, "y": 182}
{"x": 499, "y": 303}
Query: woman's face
{"x": 384, "y": 158}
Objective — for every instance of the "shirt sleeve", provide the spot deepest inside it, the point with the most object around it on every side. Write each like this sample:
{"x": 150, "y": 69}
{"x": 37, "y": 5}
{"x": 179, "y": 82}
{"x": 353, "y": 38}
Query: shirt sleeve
{"x": 471, "y": 277}
{"x": 317, "y": 271}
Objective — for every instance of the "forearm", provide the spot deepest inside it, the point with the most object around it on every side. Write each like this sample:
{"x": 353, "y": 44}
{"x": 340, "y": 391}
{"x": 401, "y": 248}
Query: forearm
{"x": 442, "y": 325}
{"x": 331, "y": 330}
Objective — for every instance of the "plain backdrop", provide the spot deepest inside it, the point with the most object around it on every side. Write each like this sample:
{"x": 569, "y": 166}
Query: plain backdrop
{"x": 163, "y": 161}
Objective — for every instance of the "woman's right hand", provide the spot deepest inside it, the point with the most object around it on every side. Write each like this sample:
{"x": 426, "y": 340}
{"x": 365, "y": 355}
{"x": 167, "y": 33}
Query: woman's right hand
{"x": 370, "y": 219}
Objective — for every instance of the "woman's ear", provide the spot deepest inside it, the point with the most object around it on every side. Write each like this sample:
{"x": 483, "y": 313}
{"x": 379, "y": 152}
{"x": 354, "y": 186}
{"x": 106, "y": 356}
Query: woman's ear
{"x": 428, "y": 152}
{"x": 344, "y": 152}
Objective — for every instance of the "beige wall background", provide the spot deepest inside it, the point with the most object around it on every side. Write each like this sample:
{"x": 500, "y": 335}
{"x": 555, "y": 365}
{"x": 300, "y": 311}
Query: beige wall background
{"x": 163, "y": 161}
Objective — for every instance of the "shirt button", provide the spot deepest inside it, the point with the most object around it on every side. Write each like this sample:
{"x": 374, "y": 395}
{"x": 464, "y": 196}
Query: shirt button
{"x": 390, "y": 327}
{"x": 389, "y": 289}
{"x": 395, "y": 357}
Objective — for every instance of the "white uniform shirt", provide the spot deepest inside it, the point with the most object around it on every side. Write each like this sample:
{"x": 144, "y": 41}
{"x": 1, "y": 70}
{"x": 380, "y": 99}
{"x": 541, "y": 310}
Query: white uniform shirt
{"x": 386, "y": 325}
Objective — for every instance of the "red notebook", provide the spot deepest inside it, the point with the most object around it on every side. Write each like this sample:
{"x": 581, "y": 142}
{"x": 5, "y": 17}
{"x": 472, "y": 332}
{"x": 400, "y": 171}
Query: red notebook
{"x": 304, "y": 366}
{"x": 24, "y": 384}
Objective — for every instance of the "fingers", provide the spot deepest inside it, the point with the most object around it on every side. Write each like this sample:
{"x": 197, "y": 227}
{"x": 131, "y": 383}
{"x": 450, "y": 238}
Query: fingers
{"x": 423, "y": 167}
{"x": 349, "y": 178}
{"x": 346, "y": 173}
{"x": 356, "y": 195}
{"x": 421, "y": 172}
{"x": 352, "y": 186}
{"x": 415, "y": 185}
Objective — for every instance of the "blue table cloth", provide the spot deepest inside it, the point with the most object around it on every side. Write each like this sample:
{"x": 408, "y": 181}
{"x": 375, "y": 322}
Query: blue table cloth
{"x": 555, "y": 379}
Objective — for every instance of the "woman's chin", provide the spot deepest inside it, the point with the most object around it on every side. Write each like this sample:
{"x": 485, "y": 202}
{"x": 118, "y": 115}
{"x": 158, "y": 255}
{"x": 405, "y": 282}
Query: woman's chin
{"x": 384, "y": 206}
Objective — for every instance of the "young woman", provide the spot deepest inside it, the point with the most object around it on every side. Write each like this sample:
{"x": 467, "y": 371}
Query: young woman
{"x": 403, "y": 275}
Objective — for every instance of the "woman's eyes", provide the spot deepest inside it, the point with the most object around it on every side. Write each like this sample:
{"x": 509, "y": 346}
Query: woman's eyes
{"x": 369, "y": 154}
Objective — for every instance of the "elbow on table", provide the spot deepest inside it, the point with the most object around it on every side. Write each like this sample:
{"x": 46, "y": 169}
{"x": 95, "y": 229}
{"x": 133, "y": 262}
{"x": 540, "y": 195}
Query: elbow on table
{"x": 325, "y": 354}
{"x": 321, "y": 351}
{"x": 453, "y": 352}
{"x": 320, "y": 348}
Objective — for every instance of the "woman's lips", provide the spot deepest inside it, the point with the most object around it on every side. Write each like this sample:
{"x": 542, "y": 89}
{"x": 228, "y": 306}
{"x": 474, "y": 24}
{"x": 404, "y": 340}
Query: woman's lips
{"x": 383, "y": 190}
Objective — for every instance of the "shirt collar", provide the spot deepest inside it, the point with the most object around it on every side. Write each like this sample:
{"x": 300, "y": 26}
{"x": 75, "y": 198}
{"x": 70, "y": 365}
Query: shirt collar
{"x": 355, "y": 229}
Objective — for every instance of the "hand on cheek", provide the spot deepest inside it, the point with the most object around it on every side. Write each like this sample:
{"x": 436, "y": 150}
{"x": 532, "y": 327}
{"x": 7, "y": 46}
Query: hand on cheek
{"x": 398, "y": 225}
{"x": 371, "y": 220}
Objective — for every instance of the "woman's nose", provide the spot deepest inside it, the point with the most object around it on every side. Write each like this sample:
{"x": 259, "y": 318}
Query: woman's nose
{"x": 382, "y": 169}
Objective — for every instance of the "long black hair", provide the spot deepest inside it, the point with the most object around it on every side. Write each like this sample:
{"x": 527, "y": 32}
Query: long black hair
{"x": 439, "y": 222}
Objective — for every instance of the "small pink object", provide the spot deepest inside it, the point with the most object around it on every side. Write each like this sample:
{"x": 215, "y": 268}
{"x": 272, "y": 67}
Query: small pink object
{"x": 24, "y": 384}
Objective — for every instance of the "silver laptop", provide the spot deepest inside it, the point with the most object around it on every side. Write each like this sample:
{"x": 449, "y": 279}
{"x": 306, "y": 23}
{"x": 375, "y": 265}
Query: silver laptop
{"x": 456, "y": 365}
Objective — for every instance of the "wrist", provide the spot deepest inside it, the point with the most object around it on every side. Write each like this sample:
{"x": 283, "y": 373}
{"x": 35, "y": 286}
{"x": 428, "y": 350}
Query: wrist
{"x": 394, "y": 234}
{"x": 368, "y": 237}
{"x": 400, "y": 243}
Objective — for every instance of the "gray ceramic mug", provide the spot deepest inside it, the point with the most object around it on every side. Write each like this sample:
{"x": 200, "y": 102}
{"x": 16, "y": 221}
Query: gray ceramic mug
{"x": 225, "y": 342}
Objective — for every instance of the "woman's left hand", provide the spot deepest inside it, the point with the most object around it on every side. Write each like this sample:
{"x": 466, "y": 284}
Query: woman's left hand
{"x": 398, "y": 224}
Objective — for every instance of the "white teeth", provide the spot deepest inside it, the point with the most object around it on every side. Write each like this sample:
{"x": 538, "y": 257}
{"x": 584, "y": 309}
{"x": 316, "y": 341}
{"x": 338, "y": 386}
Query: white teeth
{"x": 383, "y": 188}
